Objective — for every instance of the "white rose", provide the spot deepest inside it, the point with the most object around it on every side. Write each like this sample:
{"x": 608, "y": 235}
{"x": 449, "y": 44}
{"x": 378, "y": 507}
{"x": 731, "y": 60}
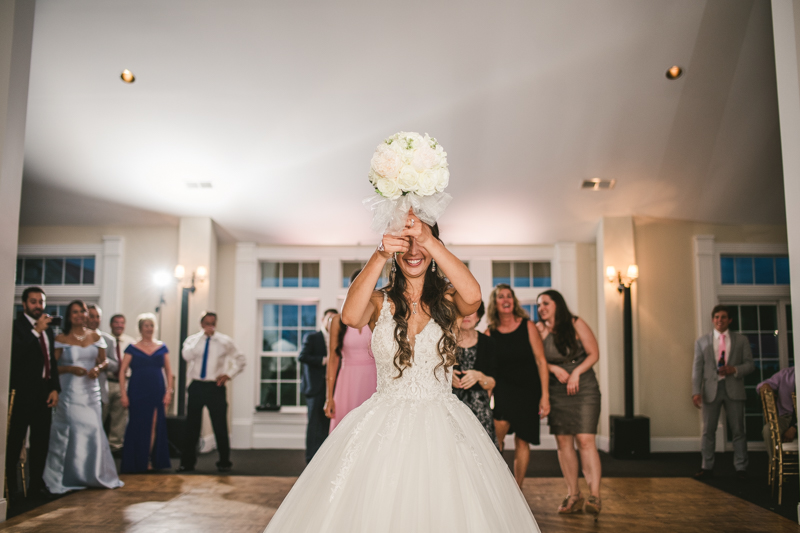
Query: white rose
{"x": 386, "y": 162}
{"x": 426, "y": 185}
{"x": 425, "y": 158}
{"x": 442, "y": 179}
{"x": 388, "y": 189}
{"x": 407, "y": 179}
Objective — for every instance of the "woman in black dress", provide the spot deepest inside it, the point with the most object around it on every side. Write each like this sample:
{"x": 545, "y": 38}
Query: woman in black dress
{"x": 521, "y": 396}
{"x": 473, "y": 379}
{"x": 571, "y": 352}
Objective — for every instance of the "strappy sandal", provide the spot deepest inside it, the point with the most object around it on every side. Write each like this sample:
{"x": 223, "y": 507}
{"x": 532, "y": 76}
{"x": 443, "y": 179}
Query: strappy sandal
{"x": 593, "y": 506}
{"x": 575, "y": 507}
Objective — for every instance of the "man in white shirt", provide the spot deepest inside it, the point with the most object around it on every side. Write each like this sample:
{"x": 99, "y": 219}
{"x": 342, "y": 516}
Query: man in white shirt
{"x": 116, "y": 416}
{"x": 93, "y": 322}
{"x": 721, "y": 361}
{"x": 213, "y": 360}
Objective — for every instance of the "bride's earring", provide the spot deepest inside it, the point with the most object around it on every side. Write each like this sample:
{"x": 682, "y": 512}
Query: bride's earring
{"x": 394, "y": 263}
{"x": 433, "y": 265}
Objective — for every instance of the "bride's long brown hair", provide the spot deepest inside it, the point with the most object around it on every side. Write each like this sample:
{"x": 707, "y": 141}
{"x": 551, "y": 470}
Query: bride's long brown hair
{"x": 442, "y": 310}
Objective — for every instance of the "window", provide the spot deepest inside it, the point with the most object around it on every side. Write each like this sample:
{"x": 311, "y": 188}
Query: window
{"x": 285, "y": 328}
{"x": 754, "y": 270}
{"x": 288, "y": 274}
{"x": 532, "y": 310}
{"x": 348, "y": 267}
{"x": 55, "y": 270}
{"x": 521, "y": 274}
{"x": 759, "y": 323}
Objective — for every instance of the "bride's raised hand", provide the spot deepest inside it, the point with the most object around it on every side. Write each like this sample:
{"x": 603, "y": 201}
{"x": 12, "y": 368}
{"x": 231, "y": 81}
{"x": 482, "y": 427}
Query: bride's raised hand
{"x": 417, "y": 229}
{"x": 391, "y": 244}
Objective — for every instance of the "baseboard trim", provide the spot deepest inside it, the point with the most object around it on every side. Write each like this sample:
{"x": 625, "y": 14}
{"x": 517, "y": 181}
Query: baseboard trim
{"x": 674, "y": 444}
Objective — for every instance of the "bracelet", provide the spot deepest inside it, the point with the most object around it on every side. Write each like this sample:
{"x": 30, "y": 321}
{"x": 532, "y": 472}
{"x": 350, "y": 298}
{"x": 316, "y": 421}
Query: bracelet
{"x": 170, "y": 391}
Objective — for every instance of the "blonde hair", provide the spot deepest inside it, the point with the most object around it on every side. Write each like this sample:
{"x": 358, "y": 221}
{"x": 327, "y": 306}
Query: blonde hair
{"x": 492, "y": 316}
{"x": 147, "y": 317}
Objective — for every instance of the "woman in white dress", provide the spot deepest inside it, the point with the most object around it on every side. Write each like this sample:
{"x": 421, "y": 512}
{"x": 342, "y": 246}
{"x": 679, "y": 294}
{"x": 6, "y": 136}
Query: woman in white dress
{"x": 412, "y": 458}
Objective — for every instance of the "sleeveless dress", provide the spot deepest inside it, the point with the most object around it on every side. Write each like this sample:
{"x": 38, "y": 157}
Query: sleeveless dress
{"x": 518, "y": 389}
{"x": 412, "y": 458}
{"x": 357, "y": 378}
{"x": 146, "y": 389}
{"x": 79, "y": 456}
{"x": 579, "y": 413}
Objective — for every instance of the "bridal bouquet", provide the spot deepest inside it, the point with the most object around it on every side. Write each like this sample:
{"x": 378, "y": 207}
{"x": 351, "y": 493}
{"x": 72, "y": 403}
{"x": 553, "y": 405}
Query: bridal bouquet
{"x": 408, "y": 170}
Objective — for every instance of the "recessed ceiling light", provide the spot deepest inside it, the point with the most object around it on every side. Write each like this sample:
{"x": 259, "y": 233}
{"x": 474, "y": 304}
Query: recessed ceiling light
{"x": 127, "y": 76}
{"x": 596, "y": 184}
{"x": 674, "y": 72}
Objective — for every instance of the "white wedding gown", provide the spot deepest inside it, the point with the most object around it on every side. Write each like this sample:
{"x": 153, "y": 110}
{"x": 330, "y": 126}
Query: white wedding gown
{"x": 411, "y": 459}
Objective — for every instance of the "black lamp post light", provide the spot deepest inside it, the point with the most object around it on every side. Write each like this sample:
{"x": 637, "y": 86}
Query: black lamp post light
{"x": 197, "y": 276}
{"x": 630, "y": 434}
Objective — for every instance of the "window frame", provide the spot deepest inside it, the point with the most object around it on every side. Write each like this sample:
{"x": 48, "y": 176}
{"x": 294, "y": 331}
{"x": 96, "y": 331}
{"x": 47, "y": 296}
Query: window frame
{"x": 60, "y": 292}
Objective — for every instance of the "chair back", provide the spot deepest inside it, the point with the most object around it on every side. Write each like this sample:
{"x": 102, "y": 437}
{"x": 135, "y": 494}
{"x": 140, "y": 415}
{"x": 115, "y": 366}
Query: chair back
{"x": 771, "y": 416}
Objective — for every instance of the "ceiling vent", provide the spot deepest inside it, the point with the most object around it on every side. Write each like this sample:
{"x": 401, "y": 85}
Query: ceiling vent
{"x": 199, "y": 185}
{"x": 596, "y": 184}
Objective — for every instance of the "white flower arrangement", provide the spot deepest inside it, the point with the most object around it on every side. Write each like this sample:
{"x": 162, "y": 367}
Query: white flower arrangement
{"x": 408, "y": 170}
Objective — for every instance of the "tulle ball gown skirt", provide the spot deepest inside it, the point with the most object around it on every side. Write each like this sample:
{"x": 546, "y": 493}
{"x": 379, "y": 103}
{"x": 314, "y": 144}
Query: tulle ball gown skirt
{"x": 408, "y": 466}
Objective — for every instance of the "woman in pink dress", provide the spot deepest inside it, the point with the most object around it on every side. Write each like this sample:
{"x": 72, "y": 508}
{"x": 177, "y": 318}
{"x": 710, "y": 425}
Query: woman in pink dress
{"x": 357, "y": 378}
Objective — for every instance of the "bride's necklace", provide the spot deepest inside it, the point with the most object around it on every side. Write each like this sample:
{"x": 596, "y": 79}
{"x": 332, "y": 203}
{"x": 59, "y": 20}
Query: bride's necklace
{"x": 414, "y": 306}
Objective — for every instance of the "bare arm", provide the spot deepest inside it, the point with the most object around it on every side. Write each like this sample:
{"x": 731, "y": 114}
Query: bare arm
{"x": 544, "y": 371}
{"x": 359, "y": 307}
{"x": 123, "y": 371}
{"x": 589, "y": 345}
{"x": 168, "y": 372}
{"x": 333, "y": 367}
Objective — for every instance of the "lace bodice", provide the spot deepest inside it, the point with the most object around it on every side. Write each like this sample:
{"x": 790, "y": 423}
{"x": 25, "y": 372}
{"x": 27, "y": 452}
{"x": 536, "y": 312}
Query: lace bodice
{"x": 418, "y": 381}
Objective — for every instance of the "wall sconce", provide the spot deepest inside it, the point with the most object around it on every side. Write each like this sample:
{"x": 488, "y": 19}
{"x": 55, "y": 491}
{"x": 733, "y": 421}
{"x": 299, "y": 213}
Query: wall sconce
{"x": 198, "y": 275}
{"x": 623, "y": 282}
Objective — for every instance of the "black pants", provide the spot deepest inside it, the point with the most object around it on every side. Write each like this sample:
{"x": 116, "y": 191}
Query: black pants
{"x": 206, "y": 394}
{"x": 318, "y": 425}
{"x": 30, "y": 410}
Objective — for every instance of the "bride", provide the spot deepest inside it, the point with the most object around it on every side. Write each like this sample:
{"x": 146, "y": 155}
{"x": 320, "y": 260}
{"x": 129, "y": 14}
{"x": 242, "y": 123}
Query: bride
{"x": 412, "y": 458}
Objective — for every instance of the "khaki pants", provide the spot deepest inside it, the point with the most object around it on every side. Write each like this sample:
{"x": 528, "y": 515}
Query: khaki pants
{"x": 118, "y": 416}
{"x": 783, "y": 424}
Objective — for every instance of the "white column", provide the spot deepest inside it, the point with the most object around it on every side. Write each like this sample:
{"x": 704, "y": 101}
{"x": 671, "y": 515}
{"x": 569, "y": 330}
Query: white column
{"x": 565, "y": 273}
{"x": 111, "y": 288}
{"x": 785, "y": 24}
{"x": 705, "y": 297}
{"x": 16, "y": 36}
{"x": 245, "y": 334}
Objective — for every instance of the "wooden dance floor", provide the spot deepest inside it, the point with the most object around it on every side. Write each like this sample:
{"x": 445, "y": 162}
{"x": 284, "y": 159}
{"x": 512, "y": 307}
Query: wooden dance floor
{"x": 220, "y": 504}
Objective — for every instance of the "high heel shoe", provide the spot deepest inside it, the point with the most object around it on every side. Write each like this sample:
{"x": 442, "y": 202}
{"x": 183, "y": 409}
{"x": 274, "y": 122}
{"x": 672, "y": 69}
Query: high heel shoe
{"x": 575, "y": 507}
{"x": 593, "y": 506}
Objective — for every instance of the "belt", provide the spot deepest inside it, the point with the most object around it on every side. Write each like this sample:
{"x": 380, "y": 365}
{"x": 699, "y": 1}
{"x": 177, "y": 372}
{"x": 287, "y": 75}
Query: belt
{"x": 113, "y": 380}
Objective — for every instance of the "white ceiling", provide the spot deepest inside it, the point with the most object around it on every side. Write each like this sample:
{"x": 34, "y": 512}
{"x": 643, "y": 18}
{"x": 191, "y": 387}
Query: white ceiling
{"x": 280, "y": 104}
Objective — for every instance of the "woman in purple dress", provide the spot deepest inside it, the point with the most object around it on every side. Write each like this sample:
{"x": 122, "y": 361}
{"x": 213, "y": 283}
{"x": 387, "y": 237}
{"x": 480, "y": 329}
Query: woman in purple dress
{"x": 146, "y": 398}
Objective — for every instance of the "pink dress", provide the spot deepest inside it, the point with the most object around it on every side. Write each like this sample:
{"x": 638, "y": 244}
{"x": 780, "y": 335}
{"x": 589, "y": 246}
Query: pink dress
{"x": 358, "y": 377}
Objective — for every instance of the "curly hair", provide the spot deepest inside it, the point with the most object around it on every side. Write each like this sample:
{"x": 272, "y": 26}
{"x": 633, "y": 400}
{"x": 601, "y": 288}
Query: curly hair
{"x": 442, "y": 310}
{"x": 493, "y": 316}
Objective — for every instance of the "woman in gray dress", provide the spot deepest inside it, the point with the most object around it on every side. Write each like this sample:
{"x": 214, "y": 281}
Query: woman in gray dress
{"x": 79, "y": 456}
{"x": 571, "y": 352}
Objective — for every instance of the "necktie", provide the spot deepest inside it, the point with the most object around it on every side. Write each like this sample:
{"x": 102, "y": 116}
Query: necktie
{"x": 46, "y": 356}
{"x": 721, "y": 350}
{"x": 205, "y": 360}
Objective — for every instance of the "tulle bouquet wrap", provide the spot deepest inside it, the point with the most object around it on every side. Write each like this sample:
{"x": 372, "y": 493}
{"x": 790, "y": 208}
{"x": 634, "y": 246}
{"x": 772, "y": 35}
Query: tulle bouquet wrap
{"x": 408, "y": 170}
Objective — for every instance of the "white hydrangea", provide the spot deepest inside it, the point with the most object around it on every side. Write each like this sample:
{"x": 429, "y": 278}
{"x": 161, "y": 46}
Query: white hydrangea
{"x": 408, "y": 162}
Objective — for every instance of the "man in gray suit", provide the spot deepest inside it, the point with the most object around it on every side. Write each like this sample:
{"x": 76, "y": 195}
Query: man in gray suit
{"x": 722, "y": 359}
{"x": 95, "y": 316}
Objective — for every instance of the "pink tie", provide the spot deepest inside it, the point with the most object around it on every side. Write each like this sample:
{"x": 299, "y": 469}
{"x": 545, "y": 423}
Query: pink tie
{"x": 721, "y": 360}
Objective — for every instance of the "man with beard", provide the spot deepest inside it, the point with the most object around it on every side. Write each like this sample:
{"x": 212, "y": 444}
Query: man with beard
{"x": 34, "y": 377}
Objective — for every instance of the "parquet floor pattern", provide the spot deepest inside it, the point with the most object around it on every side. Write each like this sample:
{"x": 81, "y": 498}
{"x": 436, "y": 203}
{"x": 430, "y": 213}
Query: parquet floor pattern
{"x": 243, "y": 504}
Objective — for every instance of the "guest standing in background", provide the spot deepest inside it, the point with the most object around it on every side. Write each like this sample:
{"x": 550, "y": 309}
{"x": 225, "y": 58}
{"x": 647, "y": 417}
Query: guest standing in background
{"x": 314, "y": 357}
{"x": 34, "y": 378}
{"x": 783, "y": 385}
{"x": 722, "y": 359}
{"x": 571, "y": 351}
{"x": 112, "y": 361}
{"x": 357, "y": 379}
{"x": 472, "y": 376}
{"x": 521, "y": 395}
{"x": 213, "y": 360}
{"x": 79, "y": 455}
{"x": 116, "y": 418}
{"x": 146, "y": 397}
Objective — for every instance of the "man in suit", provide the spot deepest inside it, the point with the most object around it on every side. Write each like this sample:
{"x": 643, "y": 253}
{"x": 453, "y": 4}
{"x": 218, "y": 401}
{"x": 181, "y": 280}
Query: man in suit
{"x": 722, "y": 359}
{"x": 116, "y": 418}
{"x": 112, "y": 368}
{"x": 314, "y": 357}
{"x": 213, "y": 360}
{"x": 34, "y": 378}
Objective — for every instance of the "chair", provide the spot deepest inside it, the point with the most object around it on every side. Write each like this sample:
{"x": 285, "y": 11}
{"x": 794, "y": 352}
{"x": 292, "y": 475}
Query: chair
{"x": 784, "y": 454}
